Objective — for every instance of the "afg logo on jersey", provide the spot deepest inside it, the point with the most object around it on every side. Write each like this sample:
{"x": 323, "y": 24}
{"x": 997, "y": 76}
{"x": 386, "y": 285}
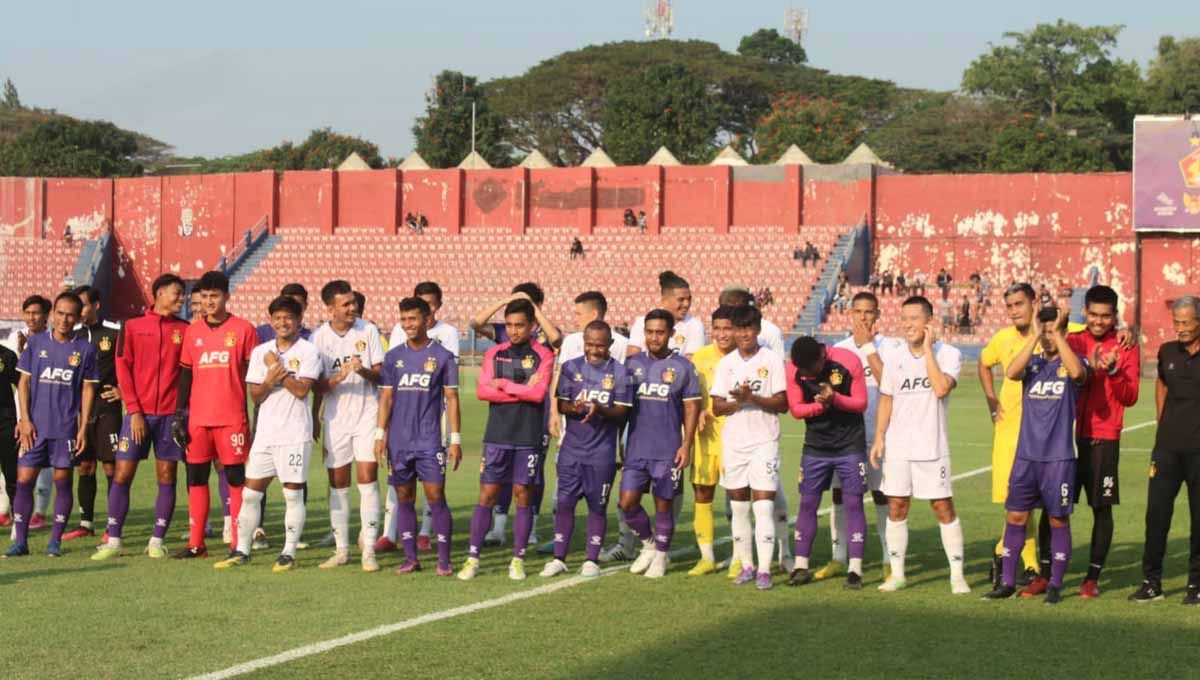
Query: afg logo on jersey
{"x": 598, "y": 396}
{"x": 412, "y": 380}
{"x": 430, "y": 364}
{"x": 608, "y": 382}
{"x": 360, "y": 346}
{"x": 213, "y": 359}
{"x": 74, "y": 359}
{"x": 919, "y": 383}
{"x": 230, "y": 340}
{"x": 177, "y": 338}
{"x": 836, "y": 377}
{"x": 62, "y": 375}
{"x": 654, "y": 390}
{"x": 668, "y": 376}
{"x": 105, "y": 344}
{"x": 1047, "y": 389}
{"x": 527, "y": 362}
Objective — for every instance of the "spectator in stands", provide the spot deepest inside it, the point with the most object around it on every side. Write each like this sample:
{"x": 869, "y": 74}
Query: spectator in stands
{"x": 918, "y": 283}
{"x": 810, "y": 254}
{"x": 67, "y": 236}
{"x": 764, "y": 298}
{"x": 943, "y": 281}
{"x": 410, "y": 221}
{"x": 841, "y": 298}
{"x": 887, "y": 284}
{"x": 964, "y": 316}
{"x": 421, "y": 223}
{"x": 641, "y": 221}
{"x": 985, "y": 289}
{"x": 947, "y": 312}
{"x": 1045, "y": 299}
{"x": 576, "y": 248}
{"x": 629, "y": 219}
{"x": 901, "y": 285}
{"x": 873, "y": 282}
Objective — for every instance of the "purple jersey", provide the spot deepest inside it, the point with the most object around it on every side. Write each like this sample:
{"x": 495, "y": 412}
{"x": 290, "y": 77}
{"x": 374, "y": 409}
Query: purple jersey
{"x": 266, "y": 333}
{"x": 660, "y": 387}
{"x": 57, "y": 371}
{"x": 593, "y": 442}
{"x": 418, "y": 379}
{"x": 1048, "y": 399}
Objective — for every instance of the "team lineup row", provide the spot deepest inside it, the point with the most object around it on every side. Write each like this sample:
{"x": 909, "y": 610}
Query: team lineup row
{"x": 876, "y": 412}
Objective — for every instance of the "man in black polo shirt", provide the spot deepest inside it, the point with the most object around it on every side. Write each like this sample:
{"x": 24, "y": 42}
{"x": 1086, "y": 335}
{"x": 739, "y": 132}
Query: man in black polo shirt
{"x": 8, "y": 423}
{"x": 1176, "y": 457}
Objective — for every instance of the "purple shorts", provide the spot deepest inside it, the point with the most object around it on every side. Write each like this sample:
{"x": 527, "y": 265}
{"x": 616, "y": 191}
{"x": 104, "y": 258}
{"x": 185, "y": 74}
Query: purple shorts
{"x": 158, "y": 433}
{"x": 816, "y": 473}
{"x": 512, "y": 465}
{"x": 580, "y": 480}
{"x": 55, "y": 453}
{"x": 427, "y": 465}
{"x": 661, "y": 476}
{"x": 1049, "y": 485}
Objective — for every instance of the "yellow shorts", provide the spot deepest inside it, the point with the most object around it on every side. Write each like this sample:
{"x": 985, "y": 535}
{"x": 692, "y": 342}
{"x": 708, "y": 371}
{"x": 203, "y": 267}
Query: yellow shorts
{"x": 706, "y": 465}
{"x": 1004, "y": 452}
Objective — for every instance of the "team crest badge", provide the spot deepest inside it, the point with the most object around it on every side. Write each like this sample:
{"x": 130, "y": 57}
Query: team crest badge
{"x": 1062, "y": 371}
{"x": 360, "y": 346}
{"x": 608, "y": 382}
{"x": 430, "y": 364}
{"x": 527, "y": 362}
{"x": 578, "y": 377}
{"x": 669, "y": 376}
{"x": 123, "y": 446}
{"x": 293, "y": 364}
{"x": 105, "y": 344}
{"x": 177, "y": 338}
{"x": 541, "y": 336}
{"x": 679, "y": 340}
{"x": 230, "y": 340}
{"x": 762, "y": 371}
{"x": 74, "y": 359}
{"x": 835, "y": 378}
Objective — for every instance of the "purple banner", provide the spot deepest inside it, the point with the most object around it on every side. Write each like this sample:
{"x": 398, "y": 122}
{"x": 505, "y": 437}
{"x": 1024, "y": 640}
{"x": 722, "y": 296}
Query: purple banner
{"x": 1166, "y": 174}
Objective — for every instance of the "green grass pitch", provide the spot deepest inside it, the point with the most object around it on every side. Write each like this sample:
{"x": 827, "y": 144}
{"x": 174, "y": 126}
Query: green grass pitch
{"x": 134, "y": 617}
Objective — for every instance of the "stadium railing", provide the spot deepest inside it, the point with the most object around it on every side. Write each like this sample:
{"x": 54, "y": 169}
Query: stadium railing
{"x": 253, "y": 236}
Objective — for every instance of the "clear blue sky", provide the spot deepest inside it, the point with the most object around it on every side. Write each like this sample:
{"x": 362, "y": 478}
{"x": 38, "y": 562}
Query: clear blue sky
{"x": 226, "y": 77}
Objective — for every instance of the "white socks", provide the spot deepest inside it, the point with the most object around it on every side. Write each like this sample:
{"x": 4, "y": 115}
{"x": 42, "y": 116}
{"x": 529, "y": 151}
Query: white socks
{"x": 339, "y": 518}
{"x": 897, "y": 538}
{"x": 783, "y": 537}
{"x": 247, "y": 519}
{"x": 764, "y": 533}
{"x": 389, "y": 516}
{"x": 743, "y": 532}
{"x": 838, "y": 533}
{"x": 952, "y": 543}
{"x": 881, "y": 518}
{"x": 426, "y": 517}
{"x": 368, "y": 514}
{"x": 293, "y": 519}
{"x": 4, "y": 503}
{"x": 42, "y": 491}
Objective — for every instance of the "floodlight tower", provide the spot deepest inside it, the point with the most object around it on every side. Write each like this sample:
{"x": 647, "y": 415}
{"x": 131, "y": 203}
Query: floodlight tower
{"x": 659, "y": 17}
{"x": 795, "y": 24}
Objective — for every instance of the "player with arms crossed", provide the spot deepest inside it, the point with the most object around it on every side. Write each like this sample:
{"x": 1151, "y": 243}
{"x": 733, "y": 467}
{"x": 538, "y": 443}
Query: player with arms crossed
{"x": 827, "y": 389}
{"x": 419, "y": 385}
{"x": 662, "y": 428}
{"x": 911, "y": 440}
{"x": 706, "y": 466}
{"x": 280, "y": 376}
{"x": 595, "y": 395}
{"x": 214, "y": 426}
{"x": 514, "y": 379}
{"x": 750, "y": 388}
{"x": 352, "y": 357}
{"x": 1044, "y": 472}
{"x": 54, "y": 396}
{"x": 147, "y": 366}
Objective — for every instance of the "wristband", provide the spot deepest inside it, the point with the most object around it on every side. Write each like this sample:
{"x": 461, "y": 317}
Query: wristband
{"x": 380, "y": 433}
{"x": 868, "y": 349}
{"x": 456, "y": 439}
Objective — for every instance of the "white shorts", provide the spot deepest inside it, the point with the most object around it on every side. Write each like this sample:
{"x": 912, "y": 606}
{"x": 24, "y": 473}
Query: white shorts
{"x": 288, "y": 462}
{"x": 344, "y": 445}
{"x": 923, "y": 479}
{"x": 756, "y": 467}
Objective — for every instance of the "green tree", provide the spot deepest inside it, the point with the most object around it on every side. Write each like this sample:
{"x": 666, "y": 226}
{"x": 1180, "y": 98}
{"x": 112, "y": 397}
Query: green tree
{"x": 323, "y": 149}
{"x": 12, "y": 100}
{"x": 1173, "y": 79}
{"x": 826, "y": 130}
{"x": 1030, "y": 144}
{"x": 65, "y": 147}
{"x": 768, "y": 45}
{"x": 443, "y": 134}
{"x": 943, "y": 134}
{"x": 664, "y": 105}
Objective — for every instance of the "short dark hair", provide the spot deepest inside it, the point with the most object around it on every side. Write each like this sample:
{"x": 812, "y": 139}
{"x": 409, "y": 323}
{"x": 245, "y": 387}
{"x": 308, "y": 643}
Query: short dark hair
{"x": 428, "y": 288}
{"x": 70, "y": 297}
{"x": 921, "y": 301}
{"x": 865, "y": 295}
{"x": 213, "y": 280}
{"x": 661, "y": 315}
{"x": 736, "y": 297}
{"x": 598, "y": 325}
{"x": 361, "y": 301}
{"x": 1021, "y": 288}
{"x": 415, "y": 303}
{"x": 533, "y": 290}
{"x": 285, "y": 303}
{"x": 1102, "y": 295}
{"x": 334, "y": 288}
{"x": 165, "y": 280}
{"x": 746, "y": 317}
{"x": 520, "y": 307}
{"x": 295, "y": 290}
{"x": 806, "y": 352}
{"x": 93, "y": 295}
{"x": 723, "y": 312}
{"x": 669, "y": 280}
{"x": 595, "y": 299}
{"x": 36, "y": 300}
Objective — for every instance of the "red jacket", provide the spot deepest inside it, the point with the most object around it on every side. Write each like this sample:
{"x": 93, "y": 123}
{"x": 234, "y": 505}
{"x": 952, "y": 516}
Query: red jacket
{"x": 148, "y": 363}
{"x": 1104, "y": 398}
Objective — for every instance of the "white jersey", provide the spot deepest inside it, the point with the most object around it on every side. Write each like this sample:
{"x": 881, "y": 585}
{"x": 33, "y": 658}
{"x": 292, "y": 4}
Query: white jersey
{"x": 771, "y": 337}
{"x": 750, "y": 425}
{"x": 355, "y": 400}
{"x": 688, "y": 336}
{"x": 281, "y": 417}
{"x": 917, "y": 430}
{"x": 869, "y": 417}
{"x": 442, "y": 333}
{"x": 572, "y": 348}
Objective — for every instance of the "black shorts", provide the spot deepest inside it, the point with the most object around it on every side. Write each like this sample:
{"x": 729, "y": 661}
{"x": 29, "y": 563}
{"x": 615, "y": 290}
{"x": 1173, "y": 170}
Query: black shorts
{"x": 1098, "y": 472}
{"x": 103, "y": 434}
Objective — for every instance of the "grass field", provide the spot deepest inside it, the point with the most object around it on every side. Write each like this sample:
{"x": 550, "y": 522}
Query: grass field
{"x": 134, "y": 617}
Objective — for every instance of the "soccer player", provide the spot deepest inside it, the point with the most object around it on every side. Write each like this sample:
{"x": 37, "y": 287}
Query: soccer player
{"x": 280, "y": 377}
{"x": 196, "y": 315}
{"x": 35, "y": 312}
{"x": 919, "y": 373}
{"x": 827, "y": 389}
{"x": 662, "y": 427}
{"x": 771, "y": 336}
{"x": 514, "y": 378}
{"x": 296, "y": 291}
{"x": 1175, "y": 459}
{"x": 1112, "y": 386}
{"x": 419, "y": 385}
{"x": 676, "y": 299}
{"x": 1043, "y": 474}
{"x": 595, "y": 396}
{"x": 352, "y": 356}
{"x": 55, "y": 394}
{"x": 864, "y": 342}
{"x": 148, "y": 367}
{"x": 749, "y": 388}
{"x": 104, "y": 423}
{"x": 706, "y": 465}
{"x": 214, "y": 426}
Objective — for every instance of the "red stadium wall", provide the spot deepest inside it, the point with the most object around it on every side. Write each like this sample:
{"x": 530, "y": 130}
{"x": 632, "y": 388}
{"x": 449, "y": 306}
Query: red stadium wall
{"x": 697, "y": 196}
{"x": 368, "y": 198}
{"x": 495, "y": 198}
{"x": 255, "y": 197}
{"x": 838, "y": 194}
{"x": 436, "y": 194}
{"x": 307, "y": 199}
{"x": 197, "y": 222}
{"x": 562, "y": 197}
{"x": 633, "y": 188}
{"x": 20, "y": 207}
{"x": 83, "y": 204}
{"x": 137, "y": 228}
{"x": 767, "y": 196}
{"x": 1170, "y": 269}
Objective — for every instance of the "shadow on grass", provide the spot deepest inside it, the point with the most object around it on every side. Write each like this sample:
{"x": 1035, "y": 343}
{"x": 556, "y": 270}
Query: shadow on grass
{"x": 15, "y": 577}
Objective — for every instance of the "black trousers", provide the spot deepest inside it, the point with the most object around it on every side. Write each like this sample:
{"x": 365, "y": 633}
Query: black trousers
{"x": 8, "y": 457}
{"x": 1169, "y": 470}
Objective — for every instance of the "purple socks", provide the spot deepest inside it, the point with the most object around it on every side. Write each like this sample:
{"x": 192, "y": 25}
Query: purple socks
{"x": 118, "y": 508}
{"x": 856, "y": 525}
{"x": 639, "y": 522}
{"x": 806, "y": 524}
{"x": 63, "y": 500}
{"x": 522, "y": 527}
{"x": 223, "y": 491}
{"x": 664, "y": 530}
{"x": 1014, "y": 541}
{"x": 480, "y": 522}
{"x": 564, "y": 526}
{"x": 597, "y": 525}
{"x": 164, "y": 508}
{"x": 443, "y": 529}
{"x": 1060, "y": 554}
{"x": 22, "y": 507}
{"x": 406, "y": 529}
